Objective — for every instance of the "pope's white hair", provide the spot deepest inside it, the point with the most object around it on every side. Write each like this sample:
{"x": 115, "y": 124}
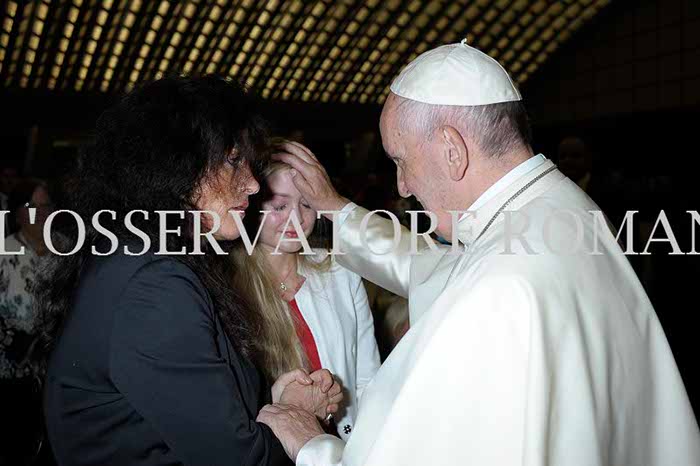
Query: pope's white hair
{"x": 496, "y": 129}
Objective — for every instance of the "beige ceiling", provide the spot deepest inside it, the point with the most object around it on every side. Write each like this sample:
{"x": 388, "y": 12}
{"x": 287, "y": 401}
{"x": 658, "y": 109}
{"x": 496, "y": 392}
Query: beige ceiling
{"x": 319, "y": 51}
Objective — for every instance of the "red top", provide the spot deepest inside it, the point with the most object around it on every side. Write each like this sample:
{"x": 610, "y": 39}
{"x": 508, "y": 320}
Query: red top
{"x": 305, "y": 336}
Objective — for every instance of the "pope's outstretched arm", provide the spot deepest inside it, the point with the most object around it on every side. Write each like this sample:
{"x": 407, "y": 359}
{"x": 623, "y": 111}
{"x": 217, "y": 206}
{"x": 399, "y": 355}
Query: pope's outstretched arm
{"x": 368, "y": 242}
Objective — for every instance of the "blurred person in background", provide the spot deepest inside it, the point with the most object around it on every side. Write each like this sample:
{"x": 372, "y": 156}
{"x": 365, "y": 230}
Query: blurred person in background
{"x": 606, "y": 188}
{"x": 19, "y": 372}
{"x": 9, "y": 177}
{"x": 395, "y": 322}
{"x": 576, "y": 162}
{"x": 18, "y": 273}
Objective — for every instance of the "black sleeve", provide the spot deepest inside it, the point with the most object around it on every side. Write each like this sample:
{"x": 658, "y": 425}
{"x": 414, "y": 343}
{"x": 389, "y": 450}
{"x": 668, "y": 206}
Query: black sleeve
{"x": 163, "y": 358}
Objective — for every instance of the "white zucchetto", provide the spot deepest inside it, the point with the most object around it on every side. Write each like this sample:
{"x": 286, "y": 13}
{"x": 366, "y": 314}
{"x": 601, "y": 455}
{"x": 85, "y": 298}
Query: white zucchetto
{"x": 455, "y": 74}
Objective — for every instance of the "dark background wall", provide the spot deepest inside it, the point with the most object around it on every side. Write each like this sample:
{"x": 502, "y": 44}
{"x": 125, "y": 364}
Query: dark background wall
{"x": 631, "y": 81}
{"x": 636, "y": 57}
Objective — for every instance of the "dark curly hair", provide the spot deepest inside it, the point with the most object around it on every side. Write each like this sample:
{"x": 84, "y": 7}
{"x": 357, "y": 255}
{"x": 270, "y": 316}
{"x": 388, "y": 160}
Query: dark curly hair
{"x": 152, "y": 151}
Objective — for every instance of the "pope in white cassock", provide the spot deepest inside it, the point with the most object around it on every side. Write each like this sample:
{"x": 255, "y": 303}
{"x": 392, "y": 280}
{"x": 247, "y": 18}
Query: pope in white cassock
{"x": 535, "y": 343}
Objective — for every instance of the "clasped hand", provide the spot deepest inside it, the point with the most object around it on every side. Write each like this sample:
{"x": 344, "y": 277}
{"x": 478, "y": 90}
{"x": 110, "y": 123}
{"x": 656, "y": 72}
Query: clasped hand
{"x": 299, "y": 400}
{"x": 318, "y": 393}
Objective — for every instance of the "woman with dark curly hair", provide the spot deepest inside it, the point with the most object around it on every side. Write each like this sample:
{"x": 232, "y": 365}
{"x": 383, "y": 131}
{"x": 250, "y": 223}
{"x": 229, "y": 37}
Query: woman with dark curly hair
{"x": 152, "y": 354}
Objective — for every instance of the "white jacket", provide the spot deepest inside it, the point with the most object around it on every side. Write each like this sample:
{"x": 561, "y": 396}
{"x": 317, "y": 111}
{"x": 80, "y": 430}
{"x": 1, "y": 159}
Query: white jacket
{"x": 335, "y": 307}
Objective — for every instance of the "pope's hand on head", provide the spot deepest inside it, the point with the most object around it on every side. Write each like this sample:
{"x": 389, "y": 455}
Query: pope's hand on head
{"x": 310, "y": 177}
{"x": 321, "y": 398}
{"x": 292, "y": 425}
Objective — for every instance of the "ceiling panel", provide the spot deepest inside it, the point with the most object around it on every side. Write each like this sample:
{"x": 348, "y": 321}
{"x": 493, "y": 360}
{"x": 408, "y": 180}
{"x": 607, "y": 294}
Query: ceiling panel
{"x": 317, "y": 51}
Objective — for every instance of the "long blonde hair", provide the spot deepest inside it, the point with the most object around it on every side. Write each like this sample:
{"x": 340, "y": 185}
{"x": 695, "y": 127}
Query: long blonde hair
{"x": 278, "y": 347}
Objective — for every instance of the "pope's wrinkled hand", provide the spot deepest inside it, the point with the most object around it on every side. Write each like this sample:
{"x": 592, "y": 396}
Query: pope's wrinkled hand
{"x": 299, "y": 376}
{"x": 310, "y": 177}
{"x": 322, "y": 397}
{"x": 292, "y": 425}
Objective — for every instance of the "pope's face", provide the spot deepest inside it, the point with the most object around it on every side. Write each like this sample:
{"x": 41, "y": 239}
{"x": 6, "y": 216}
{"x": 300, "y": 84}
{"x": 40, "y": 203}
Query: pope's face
{"x": 419, "y": 166}
{"x": 285, "y": 200}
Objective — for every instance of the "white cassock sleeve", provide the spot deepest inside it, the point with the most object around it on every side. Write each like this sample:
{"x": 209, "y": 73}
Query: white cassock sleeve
{"x": 324, "y": 450}
{"x": 390, "y": 270}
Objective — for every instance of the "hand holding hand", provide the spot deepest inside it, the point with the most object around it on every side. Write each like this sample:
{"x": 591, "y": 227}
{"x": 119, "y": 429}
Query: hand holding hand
{"x": 310, "y": 177}
{"x": 321, "y": 398}
{"x": 300, "y": 376}
{"x": 292, "y": 425}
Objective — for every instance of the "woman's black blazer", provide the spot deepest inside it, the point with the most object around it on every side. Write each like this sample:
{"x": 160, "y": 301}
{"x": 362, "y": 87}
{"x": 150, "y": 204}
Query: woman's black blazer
{"x": 142, "y": 374}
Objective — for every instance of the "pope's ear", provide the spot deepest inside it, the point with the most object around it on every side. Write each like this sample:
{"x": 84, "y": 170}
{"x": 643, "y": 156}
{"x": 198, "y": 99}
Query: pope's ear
{"x": 455, "y": 152}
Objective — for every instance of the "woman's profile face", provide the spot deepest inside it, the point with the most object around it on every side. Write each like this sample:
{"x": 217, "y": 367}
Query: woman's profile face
{"x": 227, "y": 190}
{"x": 285, "y": 199}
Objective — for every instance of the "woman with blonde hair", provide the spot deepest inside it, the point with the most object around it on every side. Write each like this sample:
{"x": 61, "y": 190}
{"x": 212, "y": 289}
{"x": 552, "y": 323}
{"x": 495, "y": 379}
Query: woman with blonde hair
{"x": 322, "y": 315}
